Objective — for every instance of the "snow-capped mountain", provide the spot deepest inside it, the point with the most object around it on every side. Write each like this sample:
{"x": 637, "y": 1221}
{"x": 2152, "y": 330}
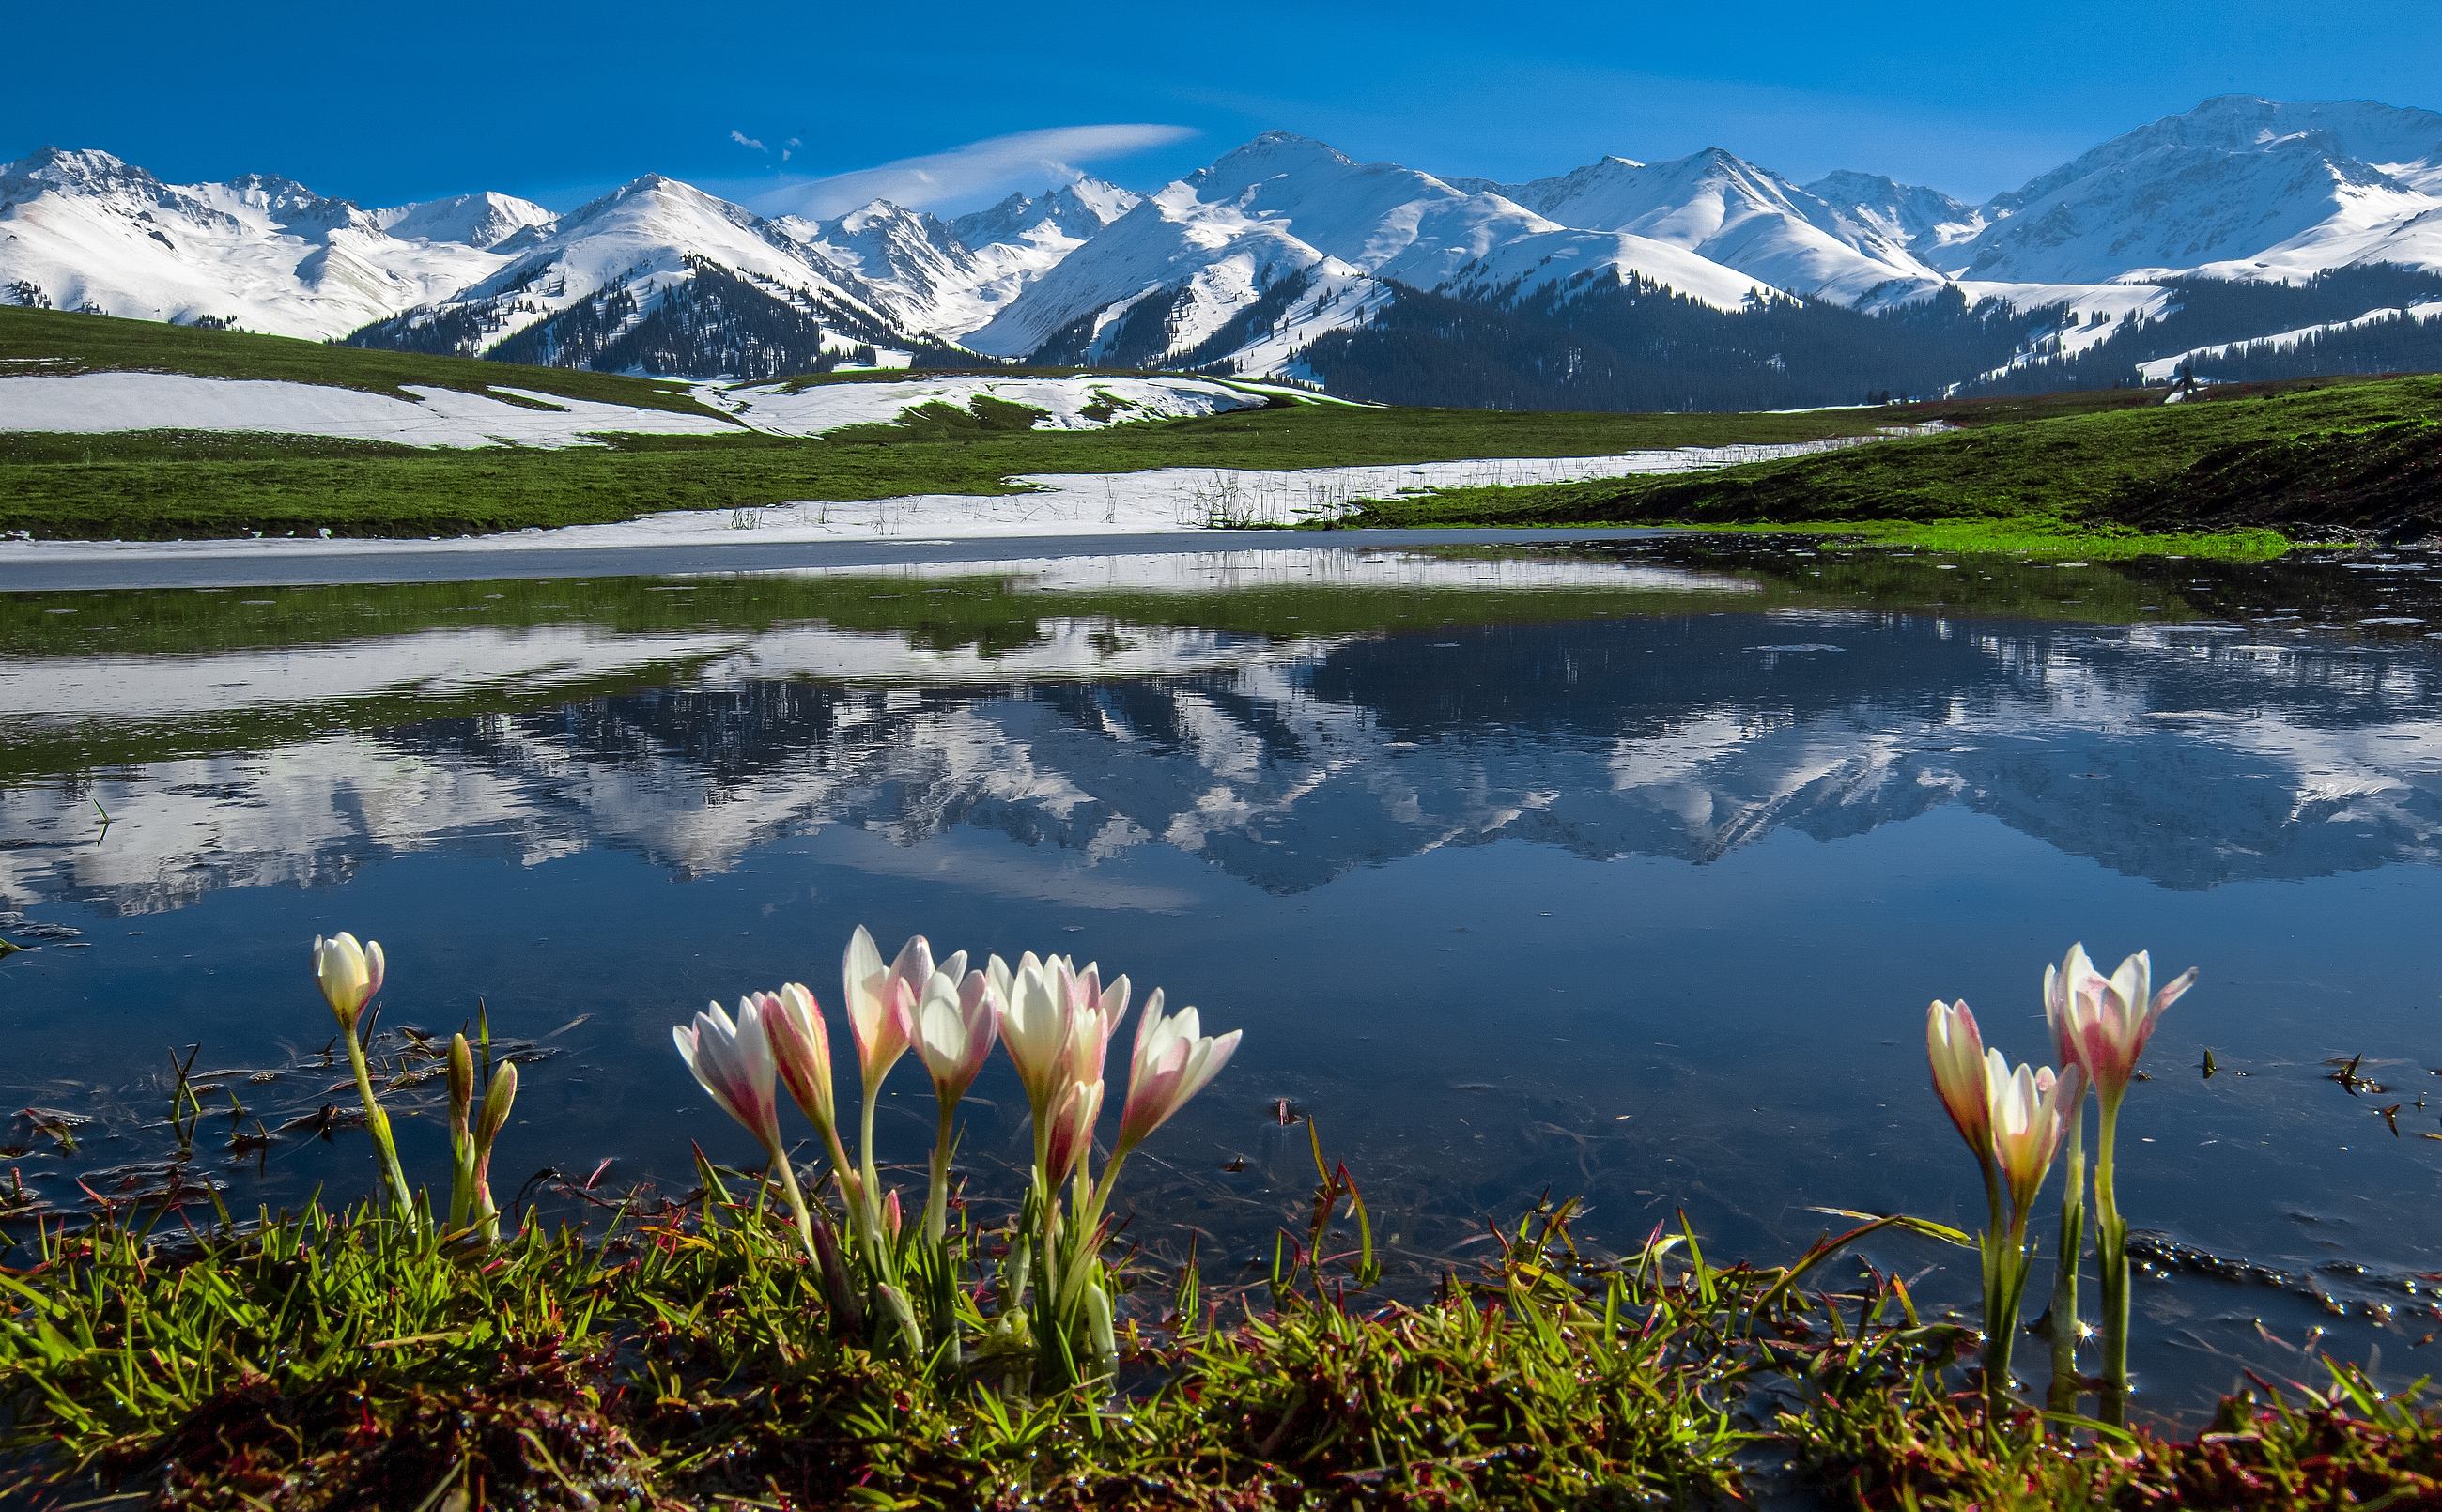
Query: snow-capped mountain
{"x": 1250, "y": 261}
{"x": 484, "y": 220}
{"x": 1922, "y": 220}
{"x": 946, "y": 279}
{"x": 1732, "y": 213}
{"x": 85, "y": 229}
{"x": 2237, "y": 188}
{"x": 1317, "y": 232}
{"x": 569, "y": 290}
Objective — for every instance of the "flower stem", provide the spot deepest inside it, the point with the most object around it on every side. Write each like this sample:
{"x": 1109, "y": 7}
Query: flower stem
{"x": 869, "y": 1221}
{"x": 796, "y": 1203}
{"x": 2111, "y": 1253}
{"x": 2004, "y": 1285}
{"x": 936, "y": 1204}
{"x": 2064, "y": 1395}
{"x": 378, "y": 1124}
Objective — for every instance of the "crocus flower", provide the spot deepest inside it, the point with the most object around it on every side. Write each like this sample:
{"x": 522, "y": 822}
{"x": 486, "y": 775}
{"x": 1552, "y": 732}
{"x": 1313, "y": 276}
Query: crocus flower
{"x": 2109, "y": 1019}
{"x": 498, "y": 1099}
{"x": 1034, "y": 1026}
{"x": 2062, "y": 983}
{"x": 2103, "y": 1023}
{"x": 1094, "y": 1015}
{"x": 349, "y": 974}
{"x": 801, "y": 1046}
{"x": 1171, "y": 1063}
{"x": 733, "y": 1060}
{"x": 1072, "y": 1130}
{"x": 881, "y": 1001}
{"x": 461, "y": 1136}
{"x": 1956, "y": 1048}
{"x": 2030, "y": 1112}
{"x": 956, "y": 1025}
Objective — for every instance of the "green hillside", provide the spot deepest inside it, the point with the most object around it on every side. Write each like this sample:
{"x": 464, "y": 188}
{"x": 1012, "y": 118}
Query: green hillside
{"x": 2315, "y": 455}
{"x": 152, "y": 484}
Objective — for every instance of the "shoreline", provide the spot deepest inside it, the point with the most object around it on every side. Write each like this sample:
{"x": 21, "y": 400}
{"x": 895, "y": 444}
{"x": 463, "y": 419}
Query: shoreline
{"x": 271, "y": 563}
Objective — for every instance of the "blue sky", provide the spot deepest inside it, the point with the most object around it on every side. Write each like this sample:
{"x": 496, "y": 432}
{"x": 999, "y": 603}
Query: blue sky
{"x": 384, "y": 104}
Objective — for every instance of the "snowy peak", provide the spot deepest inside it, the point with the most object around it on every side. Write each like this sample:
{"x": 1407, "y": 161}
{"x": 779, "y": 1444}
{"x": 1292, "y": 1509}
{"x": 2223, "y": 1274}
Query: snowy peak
{"x": 1071, "y": 213}
{"x": 86, "y": 230}
{"x": 1910, "y": 215}
{"x": 90, "y": 171}
{"x": 651, "y": 199}
{"x": 2361, "y": 130}
{"x": 1273, "y": 155}
{"x": 907, "y": 262}
{"x": 2239, "y": 186}
{"x": 1728, "y": 211}
{"x": 290, "y": 205}
{"x": 101, "y": 184}
{"x": 483, "y": 220}
{"x": 1286, "y": 238}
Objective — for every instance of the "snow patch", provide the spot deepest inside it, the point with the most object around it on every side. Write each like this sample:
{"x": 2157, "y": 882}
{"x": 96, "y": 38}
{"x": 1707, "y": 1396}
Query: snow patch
{"x": 93, "y": 403}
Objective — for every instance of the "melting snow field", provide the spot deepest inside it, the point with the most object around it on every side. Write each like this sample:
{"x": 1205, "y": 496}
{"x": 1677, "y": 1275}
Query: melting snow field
{"x": 1068, "y": 404}
{"x": 93, "y": 403}
{"x": 1124, "y": 504}
{"x": 1117, "y": 503}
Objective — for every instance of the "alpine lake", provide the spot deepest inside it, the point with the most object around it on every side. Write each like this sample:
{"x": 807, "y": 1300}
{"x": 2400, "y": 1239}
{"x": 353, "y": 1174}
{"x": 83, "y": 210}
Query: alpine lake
{"x": 1616, "y": 870}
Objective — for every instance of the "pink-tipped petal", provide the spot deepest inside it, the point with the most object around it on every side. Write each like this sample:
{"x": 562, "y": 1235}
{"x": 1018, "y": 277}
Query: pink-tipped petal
{"x": 1955, "y": 1051}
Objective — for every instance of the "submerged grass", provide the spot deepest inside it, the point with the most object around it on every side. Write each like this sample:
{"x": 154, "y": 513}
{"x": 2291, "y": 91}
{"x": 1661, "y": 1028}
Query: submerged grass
{"x": 2047, "y": 537}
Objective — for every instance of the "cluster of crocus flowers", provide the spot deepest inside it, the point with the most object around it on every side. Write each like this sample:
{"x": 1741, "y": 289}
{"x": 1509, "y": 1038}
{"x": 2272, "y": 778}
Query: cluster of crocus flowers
{"x": 2012, "y": 1120}
{"x": 2100, "y": 1024}
{"x": 2016, "y": 1120}
{"x": 732, "y": 1060}
{"x": 1056, "y": 1022}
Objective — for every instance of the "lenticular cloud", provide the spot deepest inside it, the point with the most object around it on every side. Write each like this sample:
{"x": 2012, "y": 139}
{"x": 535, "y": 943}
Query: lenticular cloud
{"x": 976, "y": 169}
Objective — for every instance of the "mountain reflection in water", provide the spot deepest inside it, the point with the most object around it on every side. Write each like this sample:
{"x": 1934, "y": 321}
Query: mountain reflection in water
{"x": 2187, "y": 756}
{"x": 1523, "y": 871}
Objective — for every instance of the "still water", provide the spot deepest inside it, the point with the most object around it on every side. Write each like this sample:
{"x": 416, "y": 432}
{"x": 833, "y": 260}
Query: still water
{"x": 1622, "y": 872}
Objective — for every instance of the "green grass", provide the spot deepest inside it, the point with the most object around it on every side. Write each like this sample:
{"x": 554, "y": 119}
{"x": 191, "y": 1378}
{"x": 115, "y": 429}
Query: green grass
{"x": 2357, "y": 453}
{"x": 2212, "y": 476}
{"x": 150, "y": 492}
{"x": 685, "y": 1358}
{"x": 151, "y": 486}
{"x": 2045, "y": 537}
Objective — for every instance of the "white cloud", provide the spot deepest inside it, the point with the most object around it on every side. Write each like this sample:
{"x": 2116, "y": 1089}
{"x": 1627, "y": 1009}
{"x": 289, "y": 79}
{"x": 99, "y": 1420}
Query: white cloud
{"x": 969, "y": 173}
{"x": 744, "y": 140}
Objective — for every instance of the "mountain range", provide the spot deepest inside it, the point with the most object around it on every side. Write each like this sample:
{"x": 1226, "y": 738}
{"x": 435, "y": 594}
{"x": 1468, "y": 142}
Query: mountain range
{"x": 1619, "y": 285}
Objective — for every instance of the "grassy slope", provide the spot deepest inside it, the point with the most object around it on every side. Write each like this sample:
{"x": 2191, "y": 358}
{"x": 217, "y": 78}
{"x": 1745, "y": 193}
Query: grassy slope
{"x": 160, "y": 485}
{"x": 2321, "y": 452}
{"x": 54, "y": 341}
